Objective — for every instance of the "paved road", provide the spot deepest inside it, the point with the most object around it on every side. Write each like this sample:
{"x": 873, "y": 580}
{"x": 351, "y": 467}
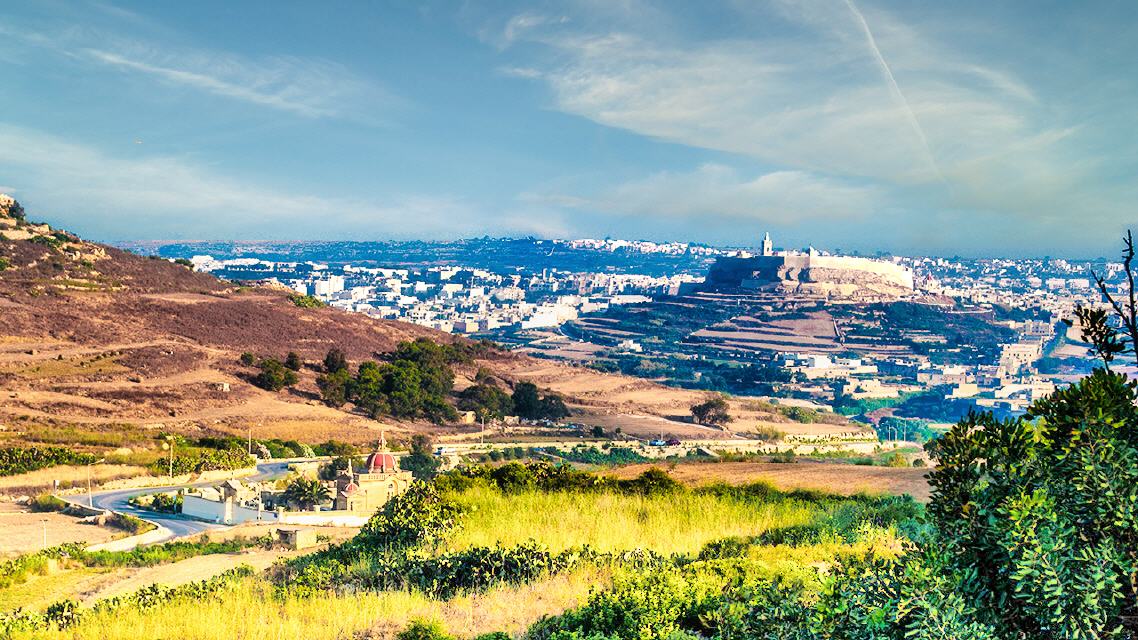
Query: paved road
{"x": 178, "y": 525}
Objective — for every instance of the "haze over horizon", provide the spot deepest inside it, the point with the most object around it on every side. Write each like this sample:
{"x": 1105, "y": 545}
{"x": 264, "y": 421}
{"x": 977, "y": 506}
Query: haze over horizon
{"x": 970, "y": 129}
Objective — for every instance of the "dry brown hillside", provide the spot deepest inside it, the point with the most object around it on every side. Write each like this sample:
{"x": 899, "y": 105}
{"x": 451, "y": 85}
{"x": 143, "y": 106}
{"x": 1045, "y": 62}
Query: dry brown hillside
{"x": 98, "y": 339}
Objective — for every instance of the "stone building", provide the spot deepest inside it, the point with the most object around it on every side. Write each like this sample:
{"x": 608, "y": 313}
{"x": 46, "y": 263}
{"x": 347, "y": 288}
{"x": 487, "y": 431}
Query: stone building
{"x": 369, "y": 489}
{"x": 811, "y": 275}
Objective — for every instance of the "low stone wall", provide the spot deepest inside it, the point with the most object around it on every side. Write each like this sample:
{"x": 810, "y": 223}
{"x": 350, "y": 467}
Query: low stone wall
{"x": 323, "y": 518}
{"x": 164, "y": 481}
{"x": 160, "y": 534}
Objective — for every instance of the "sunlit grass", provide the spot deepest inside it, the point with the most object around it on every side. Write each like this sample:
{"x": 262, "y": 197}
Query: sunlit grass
{"x": 252, "y": 612}
{"x": 674, "y": 523}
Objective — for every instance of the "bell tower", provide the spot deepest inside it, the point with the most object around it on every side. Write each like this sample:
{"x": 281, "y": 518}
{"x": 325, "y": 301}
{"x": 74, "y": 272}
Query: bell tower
{"x": 768, "y": 246}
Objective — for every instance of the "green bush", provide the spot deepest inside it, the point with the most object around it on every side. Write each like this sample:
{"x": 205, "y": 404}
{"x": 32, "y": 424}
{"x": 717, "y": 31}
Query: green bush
{"x": 306, "y": 302}
{"x": 16, "y": 460}
{"x": 424, "y": 630}
{"x": 418, "y": 516}
{"x": 46, "y": 502}
{"x": 206, "y": 460}
{"x": 274, "y": 375}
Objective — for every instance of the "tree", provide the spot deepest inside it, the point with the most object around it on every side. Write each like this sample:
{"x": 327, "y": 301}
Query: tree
{"x": 307, "y": 494}
{"x": 335, "y": 387}
{"x": 529, "y": 405}
{"x": 248, "y": 359}
{"x": 487, "y": 401}
{"x": 274, "y": 376}
{"x": 293, "y": 361}
{"x": 598, "y": 432}
{"x": 335, "y": 361}
{"x": 552, "y": 408}
{"x": 1106, "y": 340}
{"x": 368, "y": 390}
{"x": 421, "y": 461}
{"x": 714, "y": 411}
{"x": 1039, "y": 511}
{"x": 526, "y": 401}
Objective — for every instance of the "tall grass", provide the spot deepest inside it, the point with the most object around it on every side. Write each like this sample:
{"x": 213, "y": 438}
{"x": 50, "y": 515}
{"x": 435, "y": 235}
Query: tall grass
{"x": 251, "y": 612}
{"x": 672, "y": 523}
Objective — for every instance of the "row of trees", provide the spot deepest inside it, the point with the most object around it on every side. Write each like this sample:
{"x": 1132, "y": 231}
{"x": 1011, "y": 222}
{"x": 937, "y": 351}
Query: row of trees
{"x": 415, "y": 383}
{"x": 489, "y": 402}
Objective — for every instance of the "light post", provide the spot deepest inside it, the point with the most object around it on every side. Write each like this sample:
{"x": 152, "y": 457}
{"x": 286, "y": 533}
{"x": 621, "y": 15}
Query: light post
{"x": 44, "y": 521}
{"x": 90, "y": 499}
{"x": 169, "y": 445}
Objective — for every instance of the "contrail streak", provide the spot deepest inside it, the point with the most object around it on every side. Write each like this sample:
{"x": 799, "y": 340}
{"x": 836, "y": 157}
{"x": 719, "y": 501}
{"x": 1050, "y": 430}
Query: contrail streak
{"x": 895, "y": 89}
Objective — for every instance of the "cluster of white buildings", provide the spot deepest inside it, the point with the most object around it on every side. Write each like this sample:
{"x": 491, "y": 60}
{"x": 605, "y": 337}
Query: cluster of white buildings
{"x": 642, "y": 246}
{"x": 456, "y": 299}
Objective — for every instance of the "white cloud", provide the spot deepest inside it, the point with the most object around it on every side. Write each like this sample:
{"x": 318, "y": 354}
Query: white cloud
{"x": 308, "y": 87}
{"x": 120, "y": 197}
{"x": 714, "y": 190}
{"x": 823, "y": 101}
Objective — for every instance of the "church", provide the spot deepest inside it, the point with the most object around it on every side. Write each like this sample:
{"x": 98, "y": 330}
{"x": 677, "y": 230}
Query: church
{"x": 370, "y": 488}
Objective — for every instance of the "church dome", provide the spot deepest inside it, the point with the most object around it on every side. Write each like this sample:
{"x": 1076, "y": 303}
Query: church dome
{"x": 380, "y": 462}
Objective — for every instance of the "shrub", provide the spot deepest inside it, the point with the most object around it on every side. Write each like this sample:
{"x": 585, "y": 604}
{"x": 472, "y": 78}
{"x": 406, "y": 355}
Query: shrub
{"x": 418, "y": 516}
{"x": 306, "y": 302}
{"x": 130, "y": 524}
{"x": 335, "y": 448}
{"x": 293, "y": 361}
{"x": 46, "y": 502}
{"x": 424, "y": 630}
{"x": 1039, "y": 511}
{"x": 208, "y": 460}
{"x": 421, "y": 461}
{"x": 274, "y": 376}
{"x": 335, "y": 361}
{"x": 16, "y": 460}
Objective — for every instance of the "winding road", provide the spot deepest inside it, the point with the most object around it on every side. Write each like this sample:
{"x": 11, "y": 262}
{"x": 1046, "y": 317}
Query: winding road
{"x": 177, "y": 525}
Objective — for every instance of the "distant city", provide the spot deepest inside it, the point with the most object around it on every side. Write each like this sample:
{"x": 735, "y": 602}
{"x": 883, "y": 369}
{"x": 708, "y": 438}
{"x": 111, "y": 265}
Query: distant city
{"x": 798, "y": 326}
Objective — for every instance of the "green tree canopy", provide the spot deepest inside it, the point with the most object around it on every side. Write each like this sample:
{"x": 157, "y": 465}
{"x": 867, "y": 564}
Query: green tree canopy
{"x": 274, "y": 376}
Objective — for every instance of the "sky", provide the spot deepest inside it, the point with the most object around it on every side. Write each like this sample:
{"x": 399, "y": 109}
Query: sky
{"x": 970, "y": 128}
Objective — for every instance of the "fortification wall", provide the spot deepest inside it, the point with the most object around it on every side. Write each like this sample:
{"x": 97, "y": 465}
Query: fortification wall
{"x": 825, "y": 276}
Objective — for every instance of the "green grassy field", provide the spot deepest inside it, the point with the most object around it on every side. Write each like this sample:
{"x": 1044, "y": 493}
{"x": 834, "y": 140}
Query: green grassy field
{"x": 667, "y": 524}
{"x": 678, "y": 523}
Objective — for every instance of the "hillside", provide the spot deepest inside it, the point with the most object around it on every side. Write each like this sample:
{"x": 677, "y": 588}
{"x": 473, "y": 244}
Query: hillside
{"x": 99, "y": 339}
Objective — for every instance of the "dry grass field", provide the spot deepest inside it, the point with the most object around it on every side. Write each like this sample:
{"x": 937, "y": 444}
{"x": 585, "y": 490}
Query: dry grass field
{"x": 23, "y": 531}
{"x": 845, "y": 479}
{"x": 43, "y": 480}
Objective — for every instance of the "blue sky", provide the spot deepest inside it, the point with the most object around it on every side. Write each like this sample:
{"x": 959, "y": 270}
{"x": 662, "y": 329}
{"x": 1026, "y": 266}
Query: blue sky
{"x": 970, "y": 128}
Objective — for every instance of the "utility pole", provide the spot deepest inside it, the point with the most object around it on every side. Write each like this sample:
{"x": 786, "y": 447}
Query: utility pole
{"x": 90, "y": 499}
{"x": 250, "y": 451}
{"x": 169, "y": 444}
{"x": 44, "y": 521}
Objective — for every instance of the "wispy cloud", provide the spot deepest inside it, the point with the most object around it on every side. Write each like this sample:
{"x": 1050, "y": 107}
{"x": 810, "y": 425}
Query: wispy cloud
{"x": 306, "y": 87}
{"x": 148, "y": 196}
{"x": 837, "y": 93}
{"x": 718, "y": 191}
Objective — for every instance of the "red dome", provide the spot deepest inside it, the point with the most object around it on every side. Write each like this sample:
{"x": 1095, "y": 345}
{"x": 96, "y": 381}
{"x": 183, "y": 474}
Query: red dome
{"x": 379, "y": 462}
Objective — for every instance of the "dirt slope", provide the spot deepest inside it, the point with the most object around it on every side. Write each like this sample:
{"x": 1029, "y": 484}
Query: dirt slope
{"x": 108, "y": 340}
